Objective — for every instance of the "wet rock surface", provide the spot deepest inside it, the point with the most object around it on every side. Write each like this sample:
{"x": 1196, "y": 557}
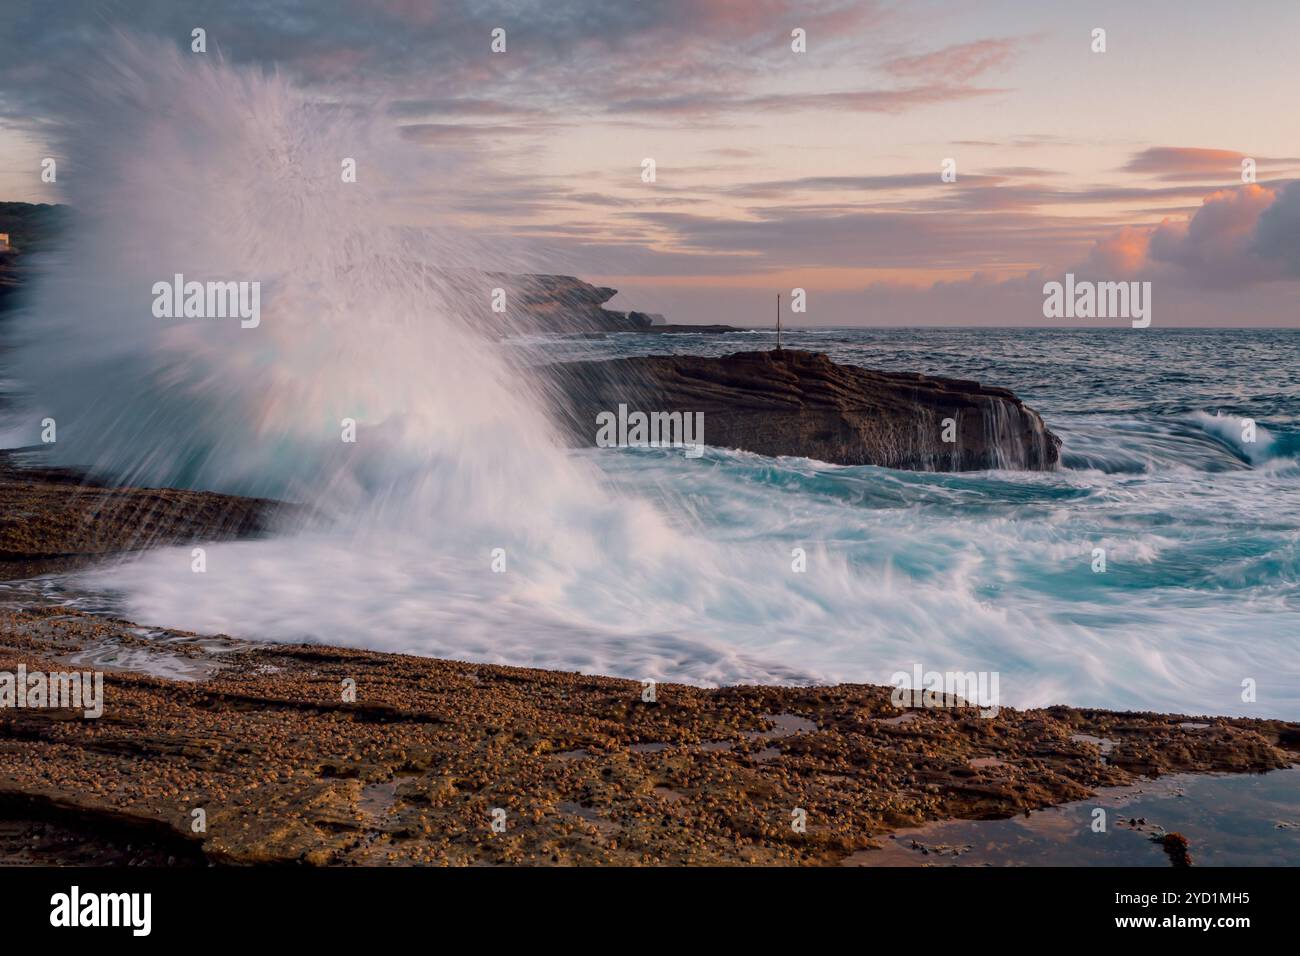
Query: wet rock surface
{"x": 577, "y": 768}
{"x": 792, "y": 402}
{"x": 53, "y": 519}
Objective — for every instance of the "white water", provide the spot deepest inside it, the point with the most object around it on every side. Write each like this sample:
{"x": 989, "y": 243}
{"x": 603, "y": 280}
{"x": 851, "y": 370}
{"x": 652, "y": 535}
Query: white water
{"x": 631, "y": 563}
{"x": 987, "y": 572}
{"x": 226, "y": 175}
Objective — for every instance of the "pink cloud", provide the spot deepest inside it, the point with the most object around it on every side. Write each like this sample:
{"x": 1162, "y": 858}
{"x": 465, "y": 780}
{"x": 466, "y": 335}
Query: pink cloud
{"x": 1162, "y": 160}
{"x": 959, "y": 62}
{"x": 1122, "y": 254}
{"x": 1188, "y": 164}
{"x": 1218, "y": 246}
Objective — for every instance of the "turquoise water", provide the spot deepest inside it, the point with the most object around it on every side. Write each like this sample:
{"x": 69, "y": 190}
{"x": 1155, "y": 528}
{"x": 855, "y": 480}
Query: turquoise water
{"x": 645, "y": 564}
{"x": 1201, "y": 529}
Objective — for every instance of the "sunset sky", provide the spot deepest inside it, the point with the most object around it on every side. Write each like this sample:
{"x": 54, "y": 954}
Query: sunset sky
{"x": 778, "y": 169}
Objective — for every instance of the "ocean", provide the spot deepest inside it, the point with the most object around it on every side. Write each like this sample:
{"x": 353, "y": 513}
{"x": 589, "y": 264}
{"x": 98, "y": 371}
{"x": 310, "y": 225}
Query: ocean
{"x": 1201, "y": 590}
{"x": 658, "y": 566}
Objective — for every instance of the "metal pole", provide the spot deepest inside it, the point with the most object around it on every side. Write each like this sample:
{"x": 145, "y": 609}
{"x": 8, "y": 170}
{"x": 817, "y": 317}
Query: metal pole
{"x": 778, "y": 321}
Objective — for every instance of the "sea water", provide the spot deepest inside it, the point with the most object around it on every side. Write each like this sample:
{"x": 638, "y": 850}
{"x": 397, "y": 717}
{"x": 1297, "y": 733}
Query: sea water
{"x": 458, "y": 525}
{"x": 688, "y": 575}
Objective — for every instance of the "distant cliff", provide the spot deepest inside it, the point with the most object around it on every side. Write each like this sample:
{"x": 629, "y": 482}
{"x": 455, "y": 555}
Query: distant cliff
{"x": 32, "y": 227}
{"x": 534, "y": 303}
{"x": 801, "y": 403}
{"x": 546, "y": 303}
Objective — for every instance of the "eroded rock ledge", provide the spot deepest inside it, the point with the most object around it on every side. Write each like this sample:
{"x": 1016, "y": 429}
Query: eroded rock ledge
{"x": 52, "y": 519}
{"x": 801, "y": 403}
{"x": 287, "y": 771}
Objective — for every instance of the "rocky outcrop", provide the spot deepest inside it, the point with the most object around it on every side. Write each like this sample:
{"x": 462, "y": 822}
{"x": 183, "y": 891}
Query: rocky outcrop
{"x": 547, "y": 303}
{"x": 52, "y": 519}
{"x": 801, "y": 403}
{"x": 567, "y": 304}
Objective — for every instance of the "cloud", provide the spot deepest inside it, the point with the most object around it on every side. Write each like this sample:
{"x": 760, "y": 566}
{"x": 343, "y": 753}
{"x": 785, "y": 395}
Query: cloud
{"x": 959, "y": 62}
{"x": 782, "y": 238}
{"x": 567, "y": 60}
{"x": 782, "y": 188}
{"x": 704, "y": 104}
{"x": 1186, "y": 163}
{"x": 1164, "y": 160}
{"x": 1237, "y": 237}
{"x": 1217, "y": 245}
{"x": 1121, "y": 255}
{"x": 1001, "y": 188}
{"x": 459, "y": 132}
{"x": 454, "y": 106}
{"x": 1277, "y": 235}
{"x": 1246, "y": 237}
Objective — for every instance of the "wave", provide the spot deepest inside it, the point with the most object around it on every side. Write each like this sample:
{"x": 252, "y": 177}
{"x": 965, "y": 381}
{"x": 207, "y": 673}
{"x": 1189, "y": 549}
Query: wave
{"x": 1199, "y": 441}
{"x": 1248, "y": 440}
{"x": 988, "y": 571}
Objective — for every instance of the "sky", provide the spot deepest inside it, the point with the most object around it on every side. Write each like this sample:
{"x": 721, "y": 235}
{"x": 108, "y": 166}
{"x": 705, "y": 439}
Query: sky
{"x": 777, "y": 169}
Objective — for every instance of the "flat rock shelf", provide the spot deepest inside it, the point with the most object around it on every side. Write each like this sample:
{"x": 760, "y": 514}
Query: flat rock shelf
{"x": 286, "y": 770}
{"x": 792, "y": 402}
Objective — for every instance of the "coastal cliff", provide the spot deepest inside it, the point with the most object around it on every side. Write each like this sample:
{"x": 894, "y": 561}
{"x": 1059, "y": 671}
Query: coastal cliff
{"x": 566, "y": 304}
{"x": 792, "y": 402}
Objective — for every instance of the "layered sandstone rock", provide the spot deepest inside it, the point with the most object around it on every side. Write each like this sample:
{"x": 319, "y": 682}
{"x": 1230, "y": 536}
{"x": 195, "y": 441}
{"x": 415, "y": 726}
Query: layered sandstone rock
{"x": 801, "y": 403}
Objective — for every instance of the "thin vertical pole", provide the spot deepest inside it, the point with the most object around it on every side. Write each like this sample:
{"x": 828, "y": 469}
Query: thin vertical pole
{"x": 778, "y": 321}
